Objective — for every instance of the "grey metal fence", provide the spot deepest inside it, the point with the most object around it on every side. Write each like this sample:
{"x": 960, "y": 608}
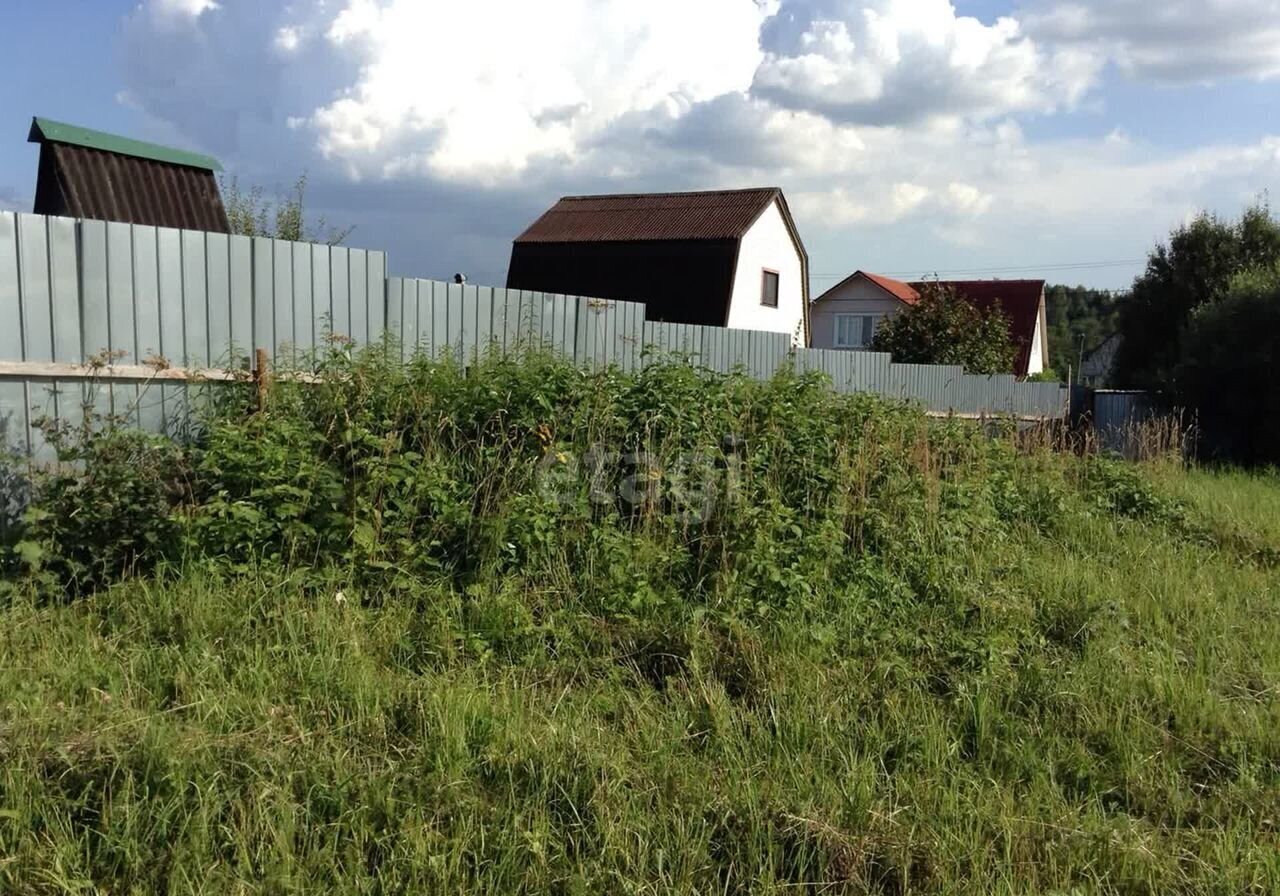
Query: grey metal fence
{"x": 75, "y": 295}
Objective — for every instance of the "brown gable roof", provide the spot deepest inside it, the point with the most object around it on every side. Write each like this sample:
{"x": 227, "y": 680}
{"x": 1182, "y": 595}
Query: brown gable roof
{"x": 696, "y": 218}
{"x": 1019, "y": 300}
{"x": 90, "y": 174}
{"x": 631, "y": 217}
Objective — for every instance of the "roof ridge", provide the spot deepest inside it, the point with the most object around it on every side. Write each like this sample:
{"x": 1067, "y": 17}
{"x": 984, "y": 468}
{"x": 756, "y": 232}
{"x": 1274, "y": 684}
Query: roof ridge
{"x": 734, "y": 191}
{"x": 47, "y": 130}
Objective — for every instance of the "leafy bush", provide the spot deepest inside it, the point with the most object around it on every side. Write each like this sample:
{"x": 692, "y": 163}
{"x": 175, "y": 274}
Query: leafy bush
{"x": 636, "y": 496}
{"x": 105, "y": 510}
{"x": 942, "y": 328}
{"x": 1194, "y": 268}
{"x": 1227, "y": 370}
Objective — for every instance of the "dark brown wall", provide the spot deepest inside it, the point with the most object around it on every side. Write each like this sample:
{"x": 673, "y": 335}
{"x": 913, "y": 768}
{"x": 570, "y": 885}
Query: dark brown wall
{"x": 80, "y": 182}
{"x": 680, "y": 282}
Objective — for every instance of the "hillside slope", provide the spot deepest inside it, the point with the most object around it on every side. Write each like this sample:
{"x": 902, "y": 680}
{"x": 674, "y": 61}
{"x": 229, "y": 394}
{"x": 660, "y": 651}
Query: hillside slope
{"x": 405, "y": 633}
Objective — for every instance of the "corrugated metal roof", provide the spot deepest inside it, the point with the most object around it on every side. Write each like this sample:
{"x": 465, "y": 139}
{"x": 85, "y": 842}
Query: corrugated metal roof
{"x": 897, "y": 288}
{"x": 708, "y": 215}
{"x": 83, "y": 182}
{"x": 1020, "y": 301}
{"x": 47, "y": 130}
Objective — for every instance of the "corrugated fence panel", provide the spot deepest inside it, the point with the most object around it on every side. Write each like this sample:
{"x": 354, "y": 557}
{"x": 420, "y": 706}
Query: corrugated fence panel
{"x": 358, "y": 289}
{"x": 120, "y": 318}
{"x": 340, "y": 292}
{"x": 74, "y": 289}
{"x": 173, "y": 333}
{"x": 217, "y": 267}
{"x": 284, "y": 343}
{"x": 321, "y": 295}
{"x": 375, "y": 284}
{"x": 13, "y": 400}
{"x": 240, "y": 277}
{"x": 304, "y": 315}
{"x": 36, "y": 320}
{"x": 147, "y": 323}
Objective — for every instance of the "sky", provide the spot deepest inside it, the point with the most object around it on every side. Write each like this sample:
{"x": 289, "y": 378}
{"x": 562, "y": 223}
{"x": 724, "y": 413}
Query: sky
{"x": 1057, "y": 139}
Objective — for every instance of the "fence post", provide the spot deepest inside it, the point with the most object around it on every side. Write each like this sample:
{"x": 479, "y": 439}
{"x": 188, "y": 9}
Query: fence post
{"x": 261, "y": 377}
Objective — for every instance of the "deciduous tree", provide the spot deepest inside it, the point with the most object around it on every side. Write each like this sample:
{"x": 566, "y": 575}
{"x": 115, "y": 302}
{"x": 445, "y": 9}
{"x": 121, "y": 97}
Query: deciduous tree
{"x": 942, "y": 328}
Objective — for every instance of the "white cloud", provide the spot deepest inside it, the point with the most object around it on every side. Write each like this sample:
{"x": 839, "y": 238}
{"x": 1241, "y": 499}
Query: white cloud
{"x": 899, "y": 61}
{"x": 188, "y": 9}
{"x": 896, "y": 126}
{"x": 1174, "y": 41}
{"x": 288, "y": 38}
{"x": 442, "y": 92}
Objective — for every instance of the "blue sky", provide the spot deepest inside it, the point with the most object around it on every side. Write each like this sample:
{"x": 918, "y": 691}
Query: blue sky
{"x": 911, "y": 136}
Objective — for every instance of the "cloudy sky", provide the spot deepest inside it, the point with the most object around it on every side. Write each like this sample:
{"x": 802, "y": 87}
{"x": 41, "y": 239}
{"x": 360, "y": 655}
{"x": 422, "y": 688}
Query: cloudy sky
{"x": 1054, "y": 138}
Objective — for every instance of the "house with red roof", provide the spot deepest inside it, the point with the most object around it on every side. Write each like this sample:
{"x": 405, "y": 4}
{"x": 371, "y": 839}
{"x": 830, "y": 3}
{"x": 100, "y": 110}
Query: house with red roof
{"x": 847, "y": 315}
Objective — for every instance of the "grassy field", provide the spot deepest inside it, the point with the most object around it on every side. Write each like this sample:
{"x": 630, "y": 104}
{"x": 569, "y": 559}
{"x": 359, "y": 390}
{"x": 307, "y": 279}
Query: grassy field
{"x": 957, "y": 669}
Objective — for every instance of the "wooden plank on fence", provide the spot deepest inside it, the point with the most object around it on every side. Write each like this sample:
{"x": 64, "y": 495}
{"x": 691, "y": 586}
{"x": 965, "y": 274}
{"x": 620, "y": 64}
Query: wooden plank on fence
{"x": 17, "y": 370}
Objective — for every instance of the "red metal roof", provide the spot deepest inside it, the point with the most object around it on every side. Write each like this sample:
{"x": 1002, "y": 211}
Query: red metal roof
{"x": 643, "y": 217}
{"x": 896, "y": 288}
{"x": 1019, "y": 300}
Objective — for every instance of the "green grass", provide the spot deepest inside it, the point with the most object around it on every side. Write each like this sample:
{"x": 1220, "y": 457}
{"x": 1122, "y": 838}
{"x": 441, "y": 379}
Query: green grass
{"x": 1077, "y": 693}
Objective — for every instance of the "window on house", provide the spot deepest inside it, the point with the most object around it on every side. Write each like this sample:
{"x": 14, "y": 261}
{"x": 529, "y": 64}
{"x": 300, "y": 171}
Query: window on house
{"x": 856, "y": 330}
{"x": 769, "y": 289}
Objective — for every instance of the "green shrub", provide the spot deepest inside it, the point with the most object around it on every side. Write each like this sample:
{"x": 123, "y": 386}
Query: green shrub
{"x": 105, "y": 510}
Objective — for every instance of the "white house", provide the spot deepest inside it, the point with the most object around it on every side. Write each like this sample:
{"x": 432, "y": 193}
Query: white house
{"x": 848, "y": 315}
{"x": 730, "y": 258}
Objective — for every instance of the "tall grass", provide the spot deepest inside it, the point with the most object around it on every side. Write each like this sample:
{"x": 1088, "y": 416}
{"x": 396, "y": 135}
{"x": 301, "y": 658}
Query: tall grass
{"x": 407, "y": 638}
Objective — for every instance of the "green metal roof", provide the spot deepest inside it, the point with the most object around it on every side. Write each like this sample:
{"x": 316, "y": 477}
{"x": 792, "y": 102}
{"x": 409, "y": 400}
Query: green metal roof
{"x": 46, "y": 129}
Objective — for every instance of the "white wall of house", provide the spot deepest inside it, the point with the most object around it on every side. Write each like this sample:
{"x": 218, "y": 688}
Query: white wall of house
{"x": 1036, "y": 363}
{"x": 859, "y": 297}
{"x": 768, "y": 246}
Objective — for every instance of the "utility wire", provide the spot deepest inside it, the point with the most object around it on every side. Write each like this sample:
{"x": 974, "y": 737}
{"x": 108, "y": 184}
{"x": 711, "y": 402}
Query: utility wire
{"x": 1074, "y": 266}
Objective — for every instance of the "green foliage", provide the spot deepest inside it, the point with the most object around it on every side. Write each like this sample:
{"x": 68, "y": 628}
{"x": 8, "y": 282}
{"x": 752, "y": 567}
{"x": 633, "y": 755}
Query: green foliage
{"x": 942, "y": 328}
{"x": 439, "y": 629}
{"x": 252, "y": 213}
{"x": 1195, "y": 267}
{"x": 1227, "y": 369}
{"x": 1046, "y": 376}
{"x": 1079, "y": 704}
{"x": 14, "y": 494}
{"x": 107, "y": 509}
{"x": 1078, "y": 317}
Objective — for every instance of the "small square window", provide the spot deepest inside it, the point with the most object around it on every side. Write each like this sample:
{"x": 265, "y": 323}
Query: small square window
{"x": 769, "y": 289}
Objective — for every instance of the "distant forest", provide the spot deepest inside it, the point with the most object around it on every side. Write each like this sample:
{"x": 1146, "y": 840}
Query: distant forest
{"x": 1076, "y": 311}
